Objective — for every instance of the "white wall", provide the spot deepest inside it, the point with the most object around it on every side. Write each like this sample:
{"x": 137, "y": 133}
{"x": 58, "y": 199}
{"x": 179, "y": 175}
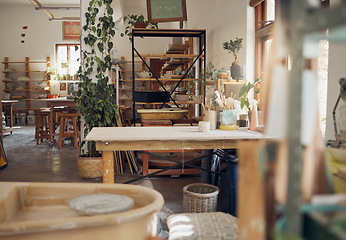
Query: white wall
{"x": 222, "y": 19}
{"x": 40, "y": 37}
{"x": 336, "y": 70}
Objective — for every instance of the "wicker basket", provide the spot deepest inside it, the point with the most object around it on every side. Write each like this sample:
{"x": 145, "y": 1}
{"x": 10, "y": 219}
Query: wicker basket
{"x": 90, "y": 167}
{"x": 200, "y": 197}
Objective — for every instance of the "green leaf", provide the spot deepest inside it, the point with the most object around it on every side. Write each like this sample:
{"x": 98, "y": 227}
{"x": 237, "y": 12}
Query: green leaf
{"x": 242, "y": 90}
{"x": 99, "y": 3}
{"x": 110, "y": 11}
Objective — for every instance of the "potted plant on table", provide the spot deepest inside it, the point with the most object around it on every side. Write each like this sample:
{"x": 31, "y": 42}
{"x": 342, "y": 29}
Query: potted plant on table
{"x": 243, "y": 95}
{"x": 234, "y": 47}
{"x": 136, "y": 21}
{"x": 95, "y": 98}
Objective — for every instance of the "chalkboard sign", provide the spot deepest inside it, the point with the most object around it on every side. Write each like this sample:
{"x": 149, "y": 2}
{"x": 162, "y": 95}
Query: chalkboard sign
{"x": 166, "y": 10}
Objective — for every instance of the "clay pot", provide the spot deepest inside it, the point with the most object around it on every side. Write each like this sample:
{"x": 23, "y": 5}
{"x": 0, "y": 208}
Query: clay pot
{"x": 236, "y": 71}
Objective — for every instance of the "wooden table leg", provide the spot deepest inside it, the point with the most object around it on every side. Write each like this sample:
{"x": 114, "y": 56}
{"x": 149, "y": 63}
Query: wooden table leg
{"x": 11, "y": 116}
{"x": 51, "y": 124}
{"x": 108, "y": 166}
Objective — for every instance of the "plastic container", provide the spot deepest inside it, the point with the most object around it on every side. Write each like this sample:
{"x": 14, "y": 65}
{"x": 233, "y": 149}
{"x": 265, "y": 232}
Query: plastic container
{"x": 228, "y": 119}
{"x": 31, "y": 119}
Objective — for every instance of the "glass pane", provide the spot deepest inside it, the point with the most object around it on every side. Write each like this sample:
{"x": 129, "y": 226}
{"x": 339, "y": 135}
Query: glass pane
{"x": 74, "y": 60}
{"x": 267, "y": 45}
{"x": 270, "y": 6}
{"x": 61, "y": 60}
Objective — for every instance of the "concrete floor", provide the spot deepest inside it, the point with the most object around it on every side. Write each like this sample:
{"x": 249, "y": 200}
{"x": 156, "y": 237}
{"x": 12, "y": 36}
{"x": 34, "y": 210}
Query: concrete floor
{"x": 28, "y": 162}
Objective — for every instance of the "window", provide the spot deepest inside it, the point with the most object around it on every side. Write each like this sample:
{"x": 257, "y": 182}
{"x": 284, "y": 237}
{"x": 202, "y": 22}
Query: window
{"x": 67, "y": 60}
{"x": 264, "y": 22}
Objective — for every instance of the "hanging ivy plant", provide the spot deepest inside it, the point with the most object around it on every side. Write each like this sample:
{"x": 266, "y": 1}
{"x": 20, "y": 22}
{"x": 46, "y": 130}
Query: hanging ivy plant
{"x": 95, "y": 97}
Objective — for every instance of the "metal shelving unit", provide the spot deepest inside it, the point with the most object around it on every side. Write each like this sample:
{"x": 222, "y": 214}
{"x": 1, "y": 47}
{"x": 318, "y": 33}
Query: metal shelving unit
{"x": 199, "y": 58}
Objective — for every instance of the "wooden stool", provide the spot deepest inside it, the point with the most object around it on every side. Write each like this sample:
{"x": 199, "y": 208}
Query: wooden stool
{"x": 42, "y": 122}
{"x": 64, "y": 123}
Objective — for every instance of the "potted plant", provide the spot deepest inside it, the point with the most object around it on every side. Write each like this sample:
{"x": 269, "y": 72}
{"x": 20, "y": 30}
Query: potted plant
{"x": 137, "y": 21}
{"x": 95, "y": 98}
{"x": 234, "y": 47}
{"x": 219, "y": 76}
{"x": 243, "y": 93}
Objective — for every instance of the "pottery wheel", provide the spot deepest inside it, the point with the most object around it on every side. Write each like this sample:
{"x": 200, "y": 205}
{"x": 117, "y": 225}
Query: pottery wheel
{"x": 101, "y": 203}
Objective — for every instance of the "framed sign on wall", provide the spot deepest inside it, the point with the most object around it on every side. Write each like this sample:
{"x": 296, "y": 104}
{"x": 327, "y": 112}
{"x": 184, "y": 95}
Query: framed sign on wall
{"x": 166, "y": 10}
{"x": 70, "y": 30}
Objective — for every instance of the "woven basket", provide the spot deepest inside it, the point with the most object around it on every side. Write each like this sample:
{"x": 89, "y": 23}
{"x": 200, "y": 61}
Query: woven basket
{"x": 200, "y": 197}
{"x": 90, "y": 167}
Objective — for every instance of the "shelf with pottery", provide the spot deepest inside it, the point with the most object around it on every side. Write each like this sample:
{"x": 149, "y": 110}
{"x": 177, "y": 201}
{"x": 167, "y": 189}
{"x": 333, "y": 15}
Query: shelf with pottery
{"x": 24, "y": 72}
{"x": 163, "y": 79}
{"x": 182, "y": 56}
{"x": 31, "y": 80}
{"x": 26, "y": 90}
{"x": 168, "y": 55}
{"x": 172, "y": 103}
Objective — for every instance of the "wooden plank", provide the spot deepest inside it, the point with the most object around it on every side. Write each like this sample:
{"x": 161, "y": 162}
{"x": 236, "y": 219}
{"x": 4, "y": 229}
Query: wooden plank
{"x": 37, "y": 3}
{"x": 108, "y": 166}
{"x": 250, "y": 196}
{"x": 181, "y": 171}
{"x": 170, "y": 55}
{"x": 165, "y": 145}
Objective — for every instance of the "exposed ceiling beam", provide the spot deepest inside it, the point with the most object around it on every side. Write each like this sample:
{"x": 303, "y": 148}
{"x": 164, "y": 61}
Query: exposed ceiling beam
{"x": 35, "y": 2}
{"x": 65, "y": 19}
{"x": 57, "y": 8}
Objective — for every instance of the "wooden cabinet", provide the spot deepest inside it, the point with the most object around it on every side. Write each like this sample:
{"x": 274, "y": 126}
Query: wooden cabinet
{"x": 26, "y": 81}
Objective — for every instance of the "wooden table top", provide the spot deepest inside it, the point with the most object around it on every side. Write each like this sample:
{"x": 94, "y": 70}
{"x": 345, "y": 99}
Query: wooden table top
{"x": 165, "y": 138}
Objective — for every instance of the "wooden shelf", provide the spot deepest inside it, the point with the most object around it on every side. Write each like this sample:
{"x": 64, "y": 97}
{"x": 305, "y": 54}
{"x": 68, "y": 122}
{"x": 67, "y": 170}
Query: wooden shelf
{"x": 26, "y": 62}
{"x": 38, "y": 71}
{"x": 178, "y": 49}
{"x": 26, "y": 70}
{"x": 162, "y": 79}
{"x": 130, "y": 71}
{"x": 31, "y": 80}
{"x": 169, "y": 55}
{"x": 25, "y": 90}
{"x": 32, "y": 99}
{"x": 179, "y": 103}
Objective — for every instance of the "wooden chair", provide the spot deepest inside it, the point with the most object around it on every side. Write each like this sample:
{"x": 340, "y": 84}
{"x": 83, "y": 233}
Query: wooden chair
{"x": 42, "y": 122}
{"x": 65, "y": 130}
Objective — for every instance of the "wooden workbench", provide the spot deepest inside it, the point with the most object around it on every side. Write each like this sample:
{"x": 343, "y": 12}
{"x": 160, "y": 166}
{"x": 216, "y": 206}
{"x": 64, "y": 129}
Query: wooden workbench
{"x": 161, "y": 138}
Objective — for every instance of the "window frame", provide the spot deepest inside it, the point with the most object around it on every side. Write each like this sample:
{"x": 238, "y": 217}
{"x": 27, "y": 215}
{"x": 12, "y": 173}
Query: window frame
{"x": 68, "y": 45}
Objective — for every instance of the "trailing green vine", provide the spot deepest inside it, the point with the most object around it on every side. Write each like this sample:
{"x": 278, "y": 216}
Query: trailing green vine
{"x": 95, "y": 97}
